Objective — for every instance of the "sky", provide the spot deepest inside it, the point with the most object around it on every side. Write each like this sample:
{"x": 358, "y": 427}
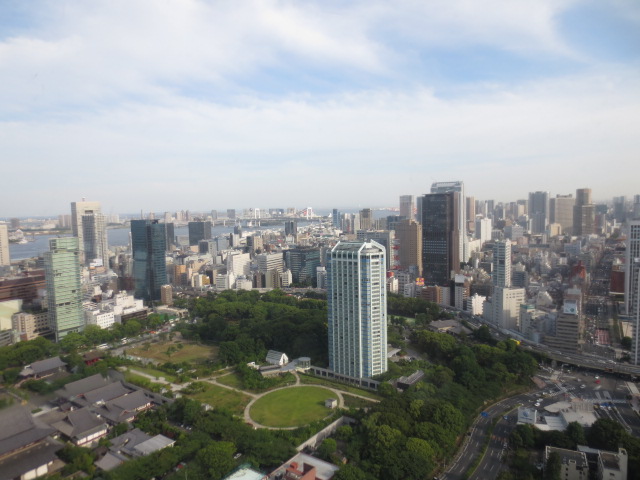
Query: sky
{"x": 148, "y": 105}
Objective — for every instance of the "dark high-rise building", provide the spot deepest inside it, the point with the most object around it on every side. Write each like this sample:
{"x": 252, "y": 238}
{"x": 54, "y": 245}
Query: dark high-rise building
{"x": 302, "y": 262}
{"x": 231, "y": 213}
{"x": 199, "y": 231}
{"x": 148, "y": 241}
{"x": 335, "y": 217}
{"x": 440, "y": 237}
{"x": 539, "y": 211}
{"x": 171, "y": 236}
{"x": 291, "y": 227}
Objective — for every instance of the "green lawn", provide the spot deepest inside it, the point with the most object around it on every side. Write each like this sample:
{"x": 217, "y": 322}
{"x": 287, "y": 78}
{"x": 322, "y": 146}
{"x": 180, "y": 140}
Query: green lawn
{"x": 169, "y": 377}
{"x": 292, "y": 407}
{"x": 221, "y": 397}
{"x": 355, "y": 402}
{"x": 313, "y": 380}
{"x": 232, "y": 380}
{"x": 189, "y": 353}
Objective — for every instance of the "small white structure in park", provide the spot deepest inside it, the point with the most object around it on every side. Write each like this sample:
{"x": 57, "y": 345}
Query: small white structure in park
{"x": 277, "y": 358}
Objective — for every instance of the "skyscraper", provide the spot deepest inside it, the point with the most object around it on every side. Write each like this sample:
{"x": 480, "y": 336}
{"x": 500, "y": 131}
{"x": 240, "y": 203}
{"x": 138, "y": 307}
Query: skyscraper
{"x": 357, "y": 305}
{"x": 461, "y": 217}
{"x": 366, "y": 219}
{"x": 94, "y": 236}
{"x": 148, "y": 239}
{"x": 440, "y": 237}
{"x": 62, "y": 277}
{"x": 584, "y": 213}
{"x": 501, "y": 274}
{"x": 406, "y": 206}
{"x": 5, "y": 258}
{"x": 199, "y": 231}
{"x": 539, "y": 211}
{"x": 561, "y": 211}
{"x": 409, "y": 234}
{"x": 291, "y": 227}
{"x": 78, "y": 211}
{"x": 335, "y": 218}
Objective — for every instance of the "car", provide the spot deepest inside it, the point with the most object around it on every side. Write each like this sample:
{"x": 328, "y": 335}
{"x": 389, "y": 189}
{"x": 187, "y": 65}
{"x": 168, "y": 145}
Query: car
{"x": 583, "y": 386}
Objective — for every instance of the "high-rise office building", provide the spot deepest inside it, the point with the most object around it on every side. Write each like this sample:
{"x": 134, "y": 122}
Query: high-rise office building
{"x": 366, "y": 219}
{"x": 148, "y": 239}
{"x": 584, "y": 213}
{"x": 407, "y": 206}
{"x": 64, "y": 295}
{"x": 632, "y": 256}
{"x": 170, "y": 230}
{"x": 409, "y": 235}
{"x": 231, "y": 213}
{"x": 335, "y": 218}
{"x": 214, "y": 215}
{"x": 303, "y": 261}
{"x": 539, "y": 211}
{"x": 385, "y": 238}
{"x": 357, "y": 306}
{"x": 270, "y": 261}
{"x": 5, "y": 257}
{"x": 461, "y": 216}
{"x": 484, "y": 227}
{"x": 291, "y": 227}
{"x": 561, "y": 211}
{"x": 636, "y": 207}
{"x": 501, "y": 274}
{"x": 78, "y": 211}
{"x": 470, "y": 213}
{"x": 199, "y": 231}
{"x": 440, "y": 237}
{"x": 94, "y": 234}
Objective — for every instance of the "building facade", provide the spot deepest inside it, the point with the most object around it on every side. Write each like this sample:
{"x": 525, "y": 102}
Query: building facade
{"x": 148, "y": 241}
{"x": 62, "y": 277}
{"x": 199, "y": 231}
{"x": 440, "y": 237}
{"x": 357, "y": 305}
{"x": 5, "y": 258}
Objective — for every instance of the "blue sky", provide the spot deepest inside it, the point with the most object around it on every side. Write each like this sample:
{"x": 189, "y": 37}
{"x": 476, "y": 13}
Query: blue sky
{"x": 193, "y": 104}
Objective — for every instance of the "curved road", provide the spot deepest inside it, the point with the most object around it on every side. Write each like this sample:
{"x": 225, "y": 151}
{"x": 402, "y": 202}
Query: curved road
{"x": 491, "y": 464}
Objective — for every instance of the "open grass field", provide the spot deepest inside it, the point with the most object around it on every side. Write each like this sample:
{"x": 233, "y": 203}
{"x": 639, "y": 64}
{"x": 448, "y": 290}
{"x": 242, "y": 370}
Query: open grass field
{"x": 292, "y": 407}
{"x": 232, "y": 380}
{"x": 312, "y": 380}
{"x": 189, "y": 353}
{"x": 155, "y": 373}
{"x": 221, "y": 397}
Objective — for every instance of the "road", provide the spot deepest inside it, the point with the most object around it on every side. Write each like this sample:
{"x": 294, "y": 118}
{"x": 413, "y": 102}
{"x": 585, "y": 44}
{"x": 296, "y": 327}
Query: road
{"x": 491, "y": 463}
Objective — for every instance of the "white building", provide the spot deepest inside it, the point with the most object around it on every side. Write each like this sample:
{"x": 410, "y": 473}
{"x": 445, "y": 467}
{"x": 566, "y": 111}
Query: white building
{"x": 501, "y": 271}
{"x": 357, "y": 304}
{"x": 5, "y": 258}
{"x": 239, "y": 263}
{"x": 475, "y": 303}
{"x": 484, "y": 226}
{"x": 270, "y": 261}
{"x": 632, "y": 285}
{"x": 504, "y": 308}
{"x": 286, "y": 278}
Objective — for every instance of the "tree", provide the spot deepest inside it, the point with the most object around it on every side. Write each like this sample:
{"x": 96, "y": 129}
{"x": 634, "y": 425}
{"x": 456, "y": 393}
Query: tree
{"x": 552, "y": 470}
{"x": 575, "y": 433}
{"x": 217, "y": 458}
{"x": 132, "y": 328}
{"x": 350, "y": 472}
{"x": 327, "y": 448}
{"x": 626, "y": 343}
{"x": 606, "y": 434}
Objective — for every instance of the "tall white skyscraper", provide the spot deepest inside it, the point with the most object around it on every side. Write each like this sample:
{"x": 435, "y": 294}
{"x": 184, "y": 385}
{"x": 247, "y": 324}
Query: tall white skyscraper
{"x": 79, "y": 210}
{"x": 357, "y": 302}
{"x": 501, "y": 274}
{"x": 407, "y": 206}
{"x": 457, "y": 186}
{"x": 632, "y": 285}
{"x": 5, "y": 258}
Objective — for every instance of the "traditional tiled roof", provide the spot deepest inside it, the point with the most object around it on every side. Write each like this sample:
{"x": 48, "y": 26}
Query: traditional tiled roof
{"x": 18, "y": 429}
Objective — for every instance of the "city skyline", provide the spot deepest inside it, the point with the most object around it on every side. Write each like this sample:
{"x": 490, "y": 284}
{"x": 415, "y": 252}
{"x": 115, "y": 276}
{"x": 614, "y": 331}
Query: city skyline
{"x": 199, "y": 103}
